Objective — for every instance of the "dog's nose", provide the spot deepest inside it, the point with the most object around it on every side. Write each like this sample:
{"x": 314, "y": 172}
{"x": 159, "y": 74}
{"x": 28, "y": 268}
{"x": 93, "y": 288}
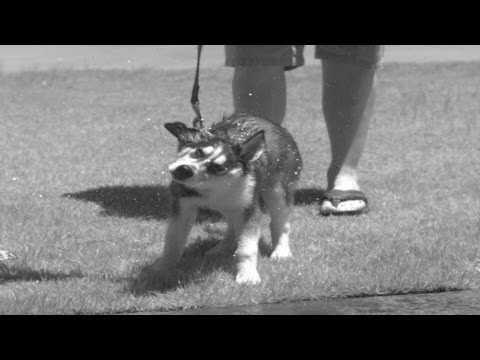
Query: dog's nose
{"x": 182, "y": 172}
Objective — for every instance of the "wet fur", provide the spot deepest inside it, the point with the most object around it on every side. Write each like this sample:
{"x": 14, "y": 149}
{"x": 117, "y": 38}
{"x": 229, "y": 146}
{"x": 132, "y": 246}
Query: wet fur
{"x": 264, "y": 164}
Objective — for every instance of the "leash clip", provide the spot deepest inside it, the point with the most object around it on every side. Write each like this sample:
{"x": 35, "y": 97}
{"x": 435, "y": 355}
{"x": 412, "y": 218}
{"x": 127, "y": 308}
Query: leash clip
{"x": 198, "y": 120}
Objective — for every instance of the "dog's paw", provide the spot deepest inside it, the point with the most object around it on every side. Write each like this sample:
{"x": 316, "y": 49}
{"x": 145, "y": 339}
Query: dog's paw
{"x": 153, "y": 278}
{"x": 248, "y": 276}
{"x": 281, "y": 253}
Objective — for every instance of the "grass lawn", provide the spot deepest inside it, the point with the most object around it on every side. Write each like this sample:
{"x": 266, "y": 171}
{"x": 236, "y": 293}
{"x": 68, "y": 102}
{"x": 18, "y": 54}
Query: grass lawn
{"x": 84, "y": 199}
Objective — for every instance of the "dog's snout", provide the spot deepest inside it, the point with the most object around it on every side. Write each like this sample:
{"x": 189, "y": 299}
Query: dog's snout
{"x": 182, "y": 172}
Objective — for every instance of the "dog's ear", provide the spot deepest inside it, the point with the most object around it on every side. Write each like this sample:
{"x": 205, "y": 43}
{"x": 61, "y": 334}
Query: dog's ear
{"x": 252, "y": 148}
{"x": 178, "y": 129}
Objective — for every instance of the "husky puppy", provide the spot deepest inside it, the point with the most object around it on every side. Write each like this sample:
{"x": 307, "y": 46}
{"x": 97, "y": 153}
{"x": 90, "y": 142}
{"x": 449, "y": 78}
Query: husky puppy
{"x": 242, "y": 167}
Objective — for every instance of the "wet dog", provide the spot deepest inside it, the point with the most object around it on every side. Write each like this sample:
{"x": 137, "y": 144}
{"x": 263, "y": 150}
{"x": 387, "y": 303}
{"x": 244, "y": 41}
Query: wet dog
{"x": 243, "y": 166}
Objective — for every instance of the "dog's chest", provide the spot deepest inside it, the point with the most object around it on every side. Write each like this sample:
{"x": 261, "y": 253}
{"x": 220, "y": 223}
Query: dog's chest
{"x": 237, "y": 194}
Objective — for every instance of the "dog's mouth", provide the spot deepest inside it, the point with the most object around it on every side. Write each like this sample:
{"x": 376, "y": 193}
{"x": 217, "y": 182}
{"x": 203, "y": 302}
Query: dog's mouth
{"x": 188, "y": 177}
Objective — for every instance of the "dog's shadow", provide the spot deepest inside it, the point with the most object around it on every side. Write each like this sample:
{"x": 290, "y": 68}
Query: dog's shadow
{"x": 152, "y": 202}
{"x": 194, "y": 267}
{"x": 147, "y": 202}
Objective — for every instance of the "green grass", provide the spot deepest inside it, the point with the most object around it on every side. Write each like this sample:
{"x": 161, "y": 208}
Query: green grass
{"x": 84, "y": 199}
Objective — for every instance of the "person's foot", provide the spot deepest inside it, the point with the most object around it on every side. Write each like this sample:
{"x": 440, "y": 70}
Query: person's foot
{"x": 344, "y": 202}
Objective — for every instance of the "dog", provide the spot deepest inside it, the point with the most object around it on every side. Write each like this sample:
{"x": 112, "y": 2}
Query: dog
{"x": 242, "y": 167}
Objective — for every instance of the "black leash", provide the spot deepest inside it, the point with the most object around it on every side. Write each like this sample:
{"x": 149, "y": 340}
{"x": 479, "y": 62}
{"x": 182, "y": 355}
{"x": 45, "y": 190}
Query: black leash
{"x": 198, "y": 120}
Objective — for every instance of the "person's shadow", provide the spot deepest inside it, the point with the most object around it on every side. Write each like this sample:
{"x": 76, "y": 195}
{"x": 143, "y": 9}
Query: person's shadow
{"x": 152, "y": 202}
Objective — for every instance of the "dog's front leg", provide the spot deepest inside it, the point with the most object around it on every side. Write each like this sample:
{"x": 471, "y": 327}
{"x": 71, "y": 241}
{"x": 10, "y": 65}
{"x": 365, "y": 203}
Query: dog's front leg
{"x": 247, "y": 227}
{"x": 163, "y": 269}
{"x": 176, "y": 236}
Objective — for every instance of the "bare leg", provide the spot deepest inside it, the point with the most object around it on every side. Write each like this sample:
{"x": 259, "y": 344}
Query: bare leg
{"x": 261, "y": 91}
{"x": 348, "y": 99}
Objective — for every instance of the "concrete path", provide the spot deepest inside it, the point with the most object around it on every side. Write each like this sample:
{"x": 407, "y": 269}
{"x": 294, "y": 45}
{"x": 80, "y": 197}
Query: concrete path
{"x": 40, "y": 57}
{"x": 447, "y": 303}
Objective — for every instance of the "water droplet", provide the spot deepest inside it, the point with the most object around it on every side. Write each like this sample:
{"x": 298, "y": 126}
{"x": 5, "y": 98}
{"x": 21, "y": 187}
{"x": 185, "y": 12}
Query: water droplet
{"x": 14, "y": 178}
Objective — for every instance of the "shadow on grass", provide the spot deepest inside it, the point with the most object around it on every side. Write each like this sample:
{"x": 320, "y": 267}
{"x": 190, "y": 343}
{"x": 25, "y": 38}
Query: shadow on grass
{"x": 308, "y": 196}
{"x": 23, "y": 273}
{"x": 153, "y": 202}
{"x": 194, "y": 267}
{"x": 142, "y": 201}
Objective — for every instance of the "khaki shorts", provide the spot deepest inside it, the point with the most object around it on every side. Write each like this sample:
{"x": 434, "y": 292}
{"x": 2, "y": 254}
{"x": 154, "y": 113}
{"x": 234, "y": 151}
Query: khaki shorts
{"x": 291, "y": 56}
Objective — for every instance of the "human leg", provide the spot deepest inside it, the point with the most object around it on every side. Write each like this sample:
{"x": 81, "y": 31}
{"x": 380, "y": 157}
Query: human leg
{"x": 348, "y": 101}
{"x": 261, "y": 91}
{"x": 259, "y": 84}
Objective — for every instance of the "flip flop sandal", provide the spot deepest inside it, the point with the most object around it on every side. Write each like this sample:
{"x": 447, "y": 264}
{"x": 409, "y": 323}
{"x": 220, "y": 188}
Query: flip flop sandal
{"x": 4, "y": 256}
{"x": 333, "y": 198}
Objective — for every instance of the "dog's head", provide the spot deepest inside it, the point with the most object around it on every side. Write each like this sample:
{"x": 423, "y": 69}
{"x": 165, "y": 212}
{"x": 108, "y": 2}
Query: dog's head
{"x": 206, "y": 159}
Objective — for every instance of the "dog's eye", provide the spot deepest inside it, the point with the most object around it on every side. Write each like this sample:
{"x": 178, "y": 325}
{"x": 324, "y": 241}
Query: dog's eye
{"x": 216, "y": 168}
{"x": 199, "y": 153}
